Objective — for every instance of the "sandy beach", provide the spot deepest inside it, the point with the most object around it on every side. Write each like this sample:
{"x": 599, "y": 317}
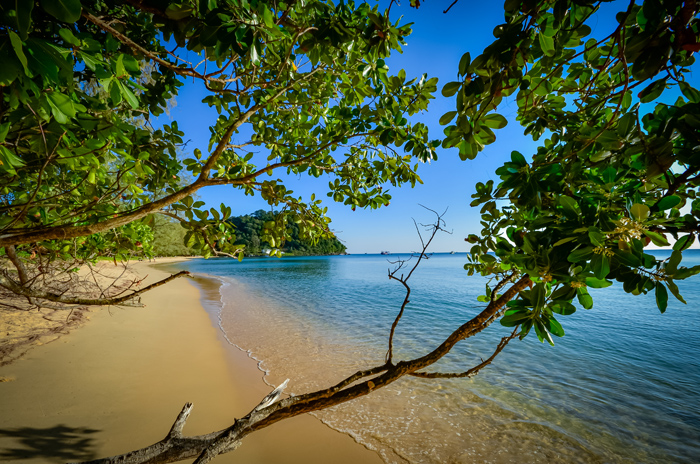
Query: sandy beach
{"x": 117, "y": 383}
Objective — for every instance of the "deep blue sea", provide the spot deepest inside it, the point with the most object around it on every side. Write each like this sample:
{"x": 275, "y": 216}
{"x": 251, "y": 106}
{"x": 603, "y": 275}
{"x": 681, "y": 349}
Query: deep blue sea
{"x": 623, "y": 385}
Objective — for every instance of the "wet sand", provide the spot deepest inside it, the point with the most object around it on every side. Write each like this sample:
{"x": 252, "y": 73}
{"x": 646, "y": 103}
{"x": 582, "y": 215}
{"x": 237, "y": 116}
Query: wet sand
{"x": 117, "y": 384}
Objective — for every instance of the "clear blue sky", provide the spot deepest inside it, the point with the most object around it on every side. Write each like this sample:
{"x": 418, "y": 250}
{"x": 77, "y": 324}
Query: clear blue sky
{"x": 435, "y": 47}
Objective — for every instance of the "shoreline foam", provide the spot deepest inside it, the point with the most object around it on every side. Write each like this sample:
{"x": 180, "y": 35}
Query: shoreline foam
{"x": 216, "y": 316}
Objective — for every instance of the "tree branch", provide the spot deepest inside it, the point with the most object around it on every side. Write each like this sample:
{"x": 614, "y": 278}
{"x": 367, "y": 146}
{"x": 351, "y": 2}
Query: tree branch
{"x": 55, "y": 297}
{"x": 474, "y": 370}
{"x": 392, "y": 275}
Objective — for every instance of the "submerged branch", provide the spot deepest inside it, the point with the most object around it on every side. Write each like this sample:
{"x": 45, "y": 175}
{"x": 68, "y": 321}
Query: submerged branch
{"x": 474, "y": 370}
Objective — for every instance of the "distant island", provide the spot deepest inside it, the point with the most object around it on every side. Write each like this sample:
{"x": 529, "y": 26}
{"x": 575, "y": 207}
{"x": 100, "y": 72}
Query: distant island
{"x": 249, "y": 232}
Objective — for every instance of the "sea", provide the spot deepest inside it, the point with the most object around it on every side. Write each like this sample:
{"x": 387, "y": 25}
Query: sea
{"x": 622, "y": 386}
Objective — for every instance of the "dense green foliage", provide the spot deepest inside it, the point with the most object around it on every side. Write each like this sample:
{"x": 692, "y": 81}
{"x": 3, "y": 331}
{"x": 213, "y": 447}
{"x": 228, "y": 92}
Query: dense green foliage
{"x": 252, "y": 232}
{"x": 169, "y": 237}
{"x": 86, "y": 167}
{"x": 619, "y": 163}
{"x": 299, "y": 87}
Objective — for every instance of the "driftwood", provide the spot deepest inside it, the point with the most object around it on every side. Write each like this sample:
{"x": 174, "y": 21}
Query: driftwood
{"x": 175, "y": 447}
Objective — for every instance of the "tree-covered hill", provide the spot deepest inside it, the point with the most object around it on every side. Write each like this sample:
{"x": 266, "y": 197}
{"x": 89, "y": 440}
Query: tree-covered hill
{"x": 252, "y": 231}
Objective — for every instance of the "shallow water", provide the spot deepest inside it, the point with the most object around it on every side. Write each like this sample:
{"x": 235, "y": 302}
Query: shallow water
{"x": 621, "y": 386}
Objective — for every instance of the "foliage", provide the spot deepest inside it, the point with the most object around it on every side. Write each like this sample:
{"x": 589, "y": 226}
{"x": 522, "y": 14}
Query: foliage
{"x": 168, "y": 238}
{"x": 618, "y": 166}
{"x": 252, "y": 234}
{"x": 85, "y": 163}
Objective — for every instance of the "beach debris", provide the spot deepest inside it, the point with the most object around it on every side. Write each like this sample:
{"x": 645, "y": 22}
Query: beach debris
{"x": 272, "y": 397}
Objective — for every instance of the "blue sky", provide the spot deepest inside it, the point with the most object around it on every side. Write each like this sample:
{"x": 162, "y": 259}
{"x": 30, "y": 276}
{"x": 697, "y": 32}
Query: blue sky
{"x": 435, "y": 47}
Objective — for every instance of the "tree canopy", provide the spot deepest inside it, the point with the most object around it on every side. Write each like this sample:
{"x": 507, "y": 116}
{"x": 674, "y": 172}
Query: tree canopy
{"x": 85, "y": 163}
{"x": 619, "y": 161}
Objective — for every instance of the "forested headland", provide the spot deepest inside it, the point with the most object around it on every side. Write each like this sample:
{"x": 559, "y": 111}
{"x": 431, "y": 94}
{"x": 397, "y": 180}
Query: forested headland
{"x": 251, "y": 233}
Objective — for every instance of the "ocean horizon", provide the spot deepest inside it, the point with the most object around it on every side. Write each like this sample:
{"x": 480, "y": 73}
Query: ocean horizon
{"x": 621, "y": 386}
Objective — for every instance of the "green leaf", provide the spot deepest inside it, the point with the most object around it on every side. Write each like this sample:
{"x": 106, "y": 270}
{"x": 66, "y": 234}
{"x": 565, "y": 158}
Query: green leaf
{"x": 689, "y": 92}
{"x": 661, "y": 297}
{"x": 640, "y": 212}
{"x": 464, "y": 63}
{"x": 525, "y": 327}
{"x": 68, "y": 37}
{"x": 515, "y": 318}
{"x": 128, "y": 95}
{"x": 627, "y": 258}
{"x": 67, "y": 11}
{"x": 562, "y": 307}
{"x": 548, "y": 25}
{"x": 494, "y": 121}
{"x": 652, "y": 91}
{"x": 571, "y": 208}
{"x": 584, "y": 298}
{"x": 9, "y": 160}
{"x": 626, "y": 124}
{"x": 684, "y": 242}
{"x": 542, "y": 333}
{"x": 451, "y": 88}
{"x": 565, "y": 292}
{"x": 554, "y": 327}
{"x": 518, "y": 158}
{"x": 674, "y": 290}
{"x": 178, "y": 12}
{"x": 23, "y": 10}
{"x": 547, "y": 44}
{"x": 254, "y": 56}
{"x": 600, "y": 264}
{"x": 596, "y": 236}
{"x": 656, "y": 238}
{"x": 447, "y": 117}
{"x": 537, "y": 297}
{"x": 4, "y": 129}
{"x": 61, "y": 106}
{"x": 267, "y": 18}
{"x": 563, "y": 241}
{"x": 580, "y": 255}
{"x": 597, "y": 283}
{"x": 673, "y": 262}
{"x": 49, "y": 60}
{"x": 667, "y": 202}
{"x": 17, "y": 46}
{"x": 11, "y": 67}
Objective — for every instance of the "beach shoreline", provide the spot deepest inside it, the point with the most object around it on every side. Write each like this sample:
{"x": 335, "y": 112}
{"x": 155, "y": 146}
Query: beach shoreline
{"x": 118, "y": 382}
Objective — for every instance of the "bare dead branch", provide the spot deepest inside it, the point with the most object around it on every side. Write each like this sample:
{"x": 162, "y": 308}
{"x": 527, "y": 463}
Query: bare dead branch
{"x": 21, "y": 270}
{"x": 58, "y": 298}
{"x": 176, "y": 429}
{"x": 436, "y": 227}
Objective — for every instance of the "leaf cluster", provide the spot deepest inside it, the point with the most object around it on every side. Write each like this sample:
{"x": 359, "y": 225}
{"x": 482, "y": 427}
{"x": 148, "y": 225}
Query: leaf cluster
{"x": 82, "y": 151}
{"x": 617, "y": 169}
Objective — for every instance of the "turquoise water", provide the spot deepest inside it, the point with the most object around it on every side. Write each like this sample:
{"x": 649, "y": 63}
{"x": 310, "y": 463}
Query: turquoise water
{"x": 621, "y": 386}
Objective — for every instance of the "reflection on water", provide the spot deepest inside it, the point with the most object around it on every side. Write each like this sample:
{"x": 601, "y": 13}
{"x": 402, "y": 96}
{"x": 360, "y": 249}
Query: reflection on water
{"x": 621, "y": 386}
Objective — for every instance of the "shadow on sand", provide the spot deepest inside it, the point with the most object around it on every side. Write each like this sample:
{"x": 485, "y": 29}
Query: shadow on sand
{"x": 55, "y": 444}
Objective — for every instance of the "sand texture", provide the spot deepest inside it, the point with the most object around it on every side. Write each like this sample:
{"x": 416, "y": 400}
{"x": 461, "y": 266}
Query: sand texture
{"x": 118, "y": 382}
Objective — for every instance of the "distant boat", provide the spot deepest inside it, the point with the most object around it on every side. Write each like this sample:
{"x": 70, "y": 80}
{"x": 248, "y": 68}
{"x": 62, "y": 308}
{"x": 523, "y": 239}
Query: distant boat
{"x": 452, "y": 252}
{"x": 384, "y": 253}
